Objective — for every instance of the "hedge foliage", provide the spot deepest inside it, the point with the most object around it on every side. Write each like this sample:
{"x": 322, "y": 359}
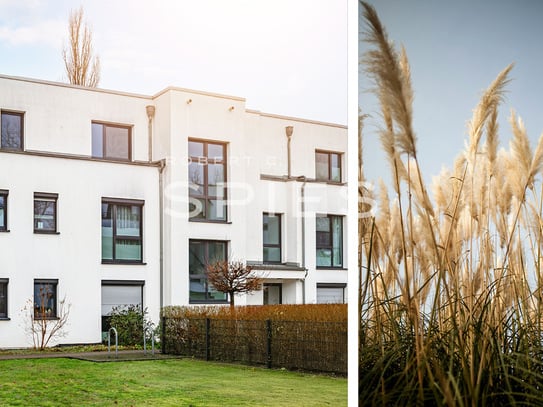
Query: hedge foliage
{"x": 282, "y": 312}
{"x": 308, "y": 337}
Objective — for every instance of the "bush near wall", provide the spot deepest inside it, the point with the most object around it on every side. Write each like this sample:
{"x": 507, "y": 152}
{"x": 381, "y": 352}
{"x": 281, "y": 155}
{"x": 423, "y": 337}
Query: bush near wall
{"x": 307, "y": 337}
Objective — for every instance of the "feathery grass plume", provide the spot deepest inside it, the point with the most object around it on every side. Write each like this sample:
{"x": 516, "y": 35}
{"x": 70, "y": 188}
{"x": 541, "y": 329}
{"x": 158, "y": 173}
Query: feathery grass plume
{"x": 489, "y": 102}
{"x": 389, "y": 74}
{"x": 492, "y": 139}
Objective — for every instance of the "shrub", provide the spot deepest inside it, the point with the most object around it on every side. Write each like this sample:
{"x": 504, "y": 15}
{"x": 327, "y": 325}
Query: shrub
{"x": 131, "y": 322}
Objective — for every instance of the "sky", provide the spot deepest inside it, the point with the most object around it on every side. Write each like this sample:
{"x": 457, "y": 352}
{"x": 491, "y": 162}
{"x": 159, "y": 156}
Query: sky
{"x": 456, "y": 49}
{"x": 284, "y": 57}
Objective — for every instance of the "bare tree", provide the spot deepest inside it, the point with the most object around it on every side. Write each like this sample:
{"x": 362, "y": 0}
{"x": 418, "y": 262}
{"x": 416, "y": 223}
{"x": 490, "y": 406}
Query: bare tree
{"x": 43, "y": 319}
{"x": 81, "y": 67}
{"x": 232, "y": 277}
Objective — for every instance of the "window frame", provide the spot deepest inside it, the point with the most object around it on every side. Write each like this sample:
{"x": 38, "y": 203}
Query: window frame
{"x": 273, "y": 245}
{"x": 265, "y": 293}
{"x": 343, "y": 287}
{"x": 4, "y": 194}
{"x": 51, "y": 283}
{"x": 331, "y": 246}
{"x": 329, "y": 160}
{"x": 206, "y": 196}
{"x": 21, "y": 135}
{"x": 206, "y": 300}
{"x": 46, "y": 197}
{"x": 4, "y": 284}
{"x": 105, "y": 125}
{"x": 122, "y": 202}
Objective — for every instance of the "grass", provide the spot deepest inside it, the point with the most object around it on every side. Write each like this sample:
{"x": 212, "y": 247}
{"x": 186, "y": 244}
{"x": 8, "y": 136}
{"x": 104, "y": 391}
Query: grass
{"x": 180, "y": 382}
{"x": 451, "y": 296}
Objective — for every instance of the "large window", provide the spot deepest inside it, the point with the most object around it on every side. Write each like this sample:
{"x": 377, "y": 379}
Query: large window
{"x": 202, "y": 253}
{"x": 207, "y": 174}
{"x": 122, "y": 231}
{"x": 327, "y": 166}
{"x": 330, "y": 293}
{"x": 4, "y": 298}
{"x": 45, "y": 299}
{"x": 3, "y": 210}
{"x": 45, "y": 212}
{"x": 111, "y": 141}
{"x": 11, "y": 124}
{"x": 271, "y": 228}
{"x": 329, "y": 241}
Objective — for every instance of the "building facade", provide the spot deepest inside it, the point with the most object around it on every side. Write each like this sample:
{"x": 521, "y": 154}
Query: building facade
{"x": 109, "y": 199}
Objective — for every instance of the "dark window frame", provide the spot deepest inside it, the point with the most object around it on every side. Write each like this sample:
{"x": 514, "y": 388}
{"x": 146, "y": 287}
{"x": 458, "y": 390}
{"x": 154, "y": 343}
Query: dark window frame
{"x": 343, "y": 286}
{"x": 4, "y": 194}
{"x": 273, "y": 245}
{"x": 331, "y": 247}
{"x": 206, "y": 196}
{"x": 105, "y": 125}
{"x": 123, "y": 202}
{"x": 264, "y": 294}
{"x": 105, "y": 319}
{"x": 37, "y": 306}
{"x": 4, "y": 283}
{"x": 21, "y": 136}
{"x": 46, "y": 197}
{"x": 207, "y": 300}
{"x": 329, "y": 154}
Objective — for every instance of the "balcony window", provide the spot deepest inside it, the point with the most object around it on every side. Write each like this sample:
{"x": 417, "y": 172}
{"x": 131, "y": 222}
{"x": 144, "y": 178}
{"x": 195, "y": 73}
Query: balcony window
{"x": 122, "y": 238}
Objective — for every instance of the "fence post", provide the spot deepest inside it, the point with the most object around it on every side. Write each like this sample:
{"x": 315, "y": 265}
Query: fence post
{"x": 208, "y": 338}
{"x": 269, "y": 343}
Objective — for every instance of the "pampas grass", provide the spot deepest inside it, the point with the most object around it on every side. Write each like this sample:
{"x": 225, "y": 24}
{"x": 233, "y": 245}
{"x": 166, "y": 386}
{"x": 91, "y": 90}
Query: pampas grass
{"x": 450, "y": 299}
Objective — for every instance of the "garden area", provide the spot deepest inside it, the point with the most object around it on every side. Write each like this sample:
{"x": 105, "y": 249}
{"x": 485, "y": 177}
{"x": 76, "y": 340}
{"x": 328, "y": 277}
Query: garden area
{"x": 175, "y": 382}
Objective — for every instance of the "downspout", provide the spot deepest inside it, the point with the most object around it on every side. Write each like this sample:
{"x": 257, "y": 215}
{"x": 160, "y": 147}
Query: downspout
{"x": 150, "y": 115}
{"x": 302, "y": 196}
{"x": 161, "y": 227}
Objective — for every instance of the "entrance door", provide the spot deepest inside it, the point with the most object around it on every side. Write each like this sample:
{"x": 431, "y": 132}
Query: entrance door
{"x": 272, "y": 294}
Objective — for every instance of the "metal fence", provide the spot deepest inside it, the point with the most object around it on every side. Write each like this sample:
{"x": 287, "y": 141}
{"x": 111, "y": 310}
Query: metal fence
{"x": 305, "y": 345}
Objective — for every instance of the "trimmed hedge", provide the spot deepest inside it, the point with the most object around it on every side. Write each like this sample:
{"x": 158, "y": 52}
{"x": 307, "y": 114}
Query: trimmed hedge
{"x": 307, "y": 337}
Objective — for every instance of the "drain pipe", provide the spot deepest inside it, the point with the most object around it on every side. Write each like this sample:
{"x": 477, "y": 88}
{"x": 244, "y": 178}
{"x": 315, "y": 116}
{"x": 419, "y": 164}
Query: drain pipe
{"x": 161, "y": 228}
{"x": 150, "y": 115}
{"x": 288, "y": 131}
{"x": 302, "y": 195}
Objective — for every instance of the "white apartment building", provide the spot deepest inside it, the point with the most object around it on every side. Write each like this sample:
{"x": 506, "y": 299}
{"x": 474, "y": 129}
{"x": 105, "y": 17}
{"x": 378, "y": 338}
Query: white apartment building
{"x": 109, "y": 198}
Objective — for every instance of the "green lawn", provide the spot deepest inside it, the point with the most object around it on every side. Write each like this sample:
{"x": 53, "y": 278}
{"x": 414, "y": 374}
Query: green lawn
{"x": 175, "y": 382}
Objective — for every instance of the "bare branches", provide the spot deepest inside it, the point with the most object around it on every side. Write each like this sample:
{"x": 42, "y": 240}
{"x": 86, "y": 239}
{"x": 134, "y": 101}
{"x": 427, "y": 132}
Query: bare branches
{"x": 81, "y": 67}
{"x": 232, "y": 277}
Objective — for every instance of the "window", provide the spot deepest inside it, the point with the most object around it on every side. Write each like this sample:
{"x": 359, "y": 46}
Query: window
{"x": 3, "y": 210}
{"x": 332, "y": 293}
{"x": 207, "y": 174}
{"x": 45, "y": 299}
{"x": 273, "y": 293}
{"x": 271, "y": 227}
{"x": 111, "y": 141}
{"x": 327, "y": 166}
{"x": 45, "y": 212}
{"x": 120, "y": 294}
{"x": 4, "y": 298}
{"x": 202, "y": 253}
{"x": 12, "y": 130}
{"x": 329, "y": 241}
{"x": 122, "y": 231}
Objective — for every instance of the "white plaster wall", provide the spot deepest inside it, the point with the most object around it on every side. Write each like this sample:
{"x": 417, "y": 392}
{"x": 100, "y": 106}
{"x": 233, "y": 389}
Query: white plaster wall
{"x": 58, "y": 117}
{"x": 74, "y": 255}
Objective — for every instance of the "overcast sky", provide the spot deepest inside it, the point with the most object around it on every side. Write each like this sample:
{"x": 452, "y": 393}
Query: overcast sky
{"x": 456, "y": 49}
{"x": 286, "y": 57}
